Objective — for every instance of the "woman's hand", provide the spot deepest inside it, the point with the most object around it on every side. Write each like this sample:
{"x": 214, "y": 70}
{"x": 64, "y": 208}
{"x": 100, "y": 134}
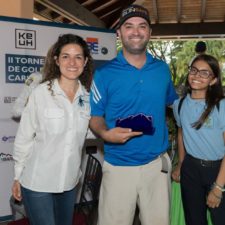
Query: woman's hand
{"x": 214, "y": 196}
{"x": 176, "y": 173}
{"x": 16, "y": 190}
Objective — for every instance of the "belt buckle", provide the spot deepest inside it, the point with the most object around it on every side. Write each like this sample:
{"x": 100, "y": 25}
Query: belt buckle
{"x": 204, "y": 163}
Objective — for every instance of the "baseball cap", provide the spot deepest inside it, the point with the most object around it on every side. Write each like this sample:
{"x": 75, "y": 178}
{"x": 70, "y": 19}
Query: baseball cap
{"x": 134, "y": 11}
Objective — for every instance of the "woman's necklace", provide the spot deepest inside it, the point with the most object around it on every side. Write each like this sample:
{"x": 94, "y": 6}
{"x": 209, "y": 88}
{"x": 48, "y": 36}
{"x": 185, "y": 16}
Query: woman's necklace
{"x": 197, "y": 98}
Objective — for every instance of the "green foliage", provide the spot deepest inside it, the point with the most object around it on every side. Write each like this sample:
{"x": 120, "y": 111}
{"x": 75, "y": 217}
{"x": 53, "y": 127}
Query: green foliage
{"x": 170, "y": 121}
{"x": 215, "y": 48}
{"x": 178, "y": 55}
{"x": 119, "y": 46}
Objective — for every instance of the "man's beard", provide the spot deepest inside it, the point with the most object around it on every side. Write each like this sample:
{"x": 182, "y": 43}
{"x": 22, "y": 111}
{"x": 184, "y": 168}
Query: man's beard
{"x": 134, "y": 50}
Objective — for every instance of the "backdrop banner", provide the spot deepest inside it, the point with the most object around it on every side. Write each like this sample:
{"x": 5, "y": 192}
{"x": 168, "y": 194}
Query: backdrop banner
{"x": 23, "y": 47}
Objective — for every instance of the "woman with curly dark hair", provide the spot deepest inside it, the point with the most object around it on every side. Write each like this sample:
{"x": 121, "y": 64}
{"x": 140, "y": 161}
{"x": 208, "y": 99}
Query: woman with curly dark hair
{"x": 51, "y": 69}
{"x": 52, "y": 131}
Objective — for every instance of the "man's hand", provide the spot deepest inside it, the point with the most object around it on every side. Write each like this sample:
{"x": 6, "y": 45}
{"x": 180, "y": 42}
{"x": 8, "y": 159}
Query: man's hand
{"x": 115, "y": 135}
{"x": 119, "y": 135}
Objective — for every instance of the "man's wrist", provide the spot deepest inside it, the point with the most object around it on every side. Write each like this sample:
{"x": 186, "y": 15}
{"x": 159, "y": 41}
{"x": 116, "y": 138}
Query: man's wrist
{"x": 103, "y": 135}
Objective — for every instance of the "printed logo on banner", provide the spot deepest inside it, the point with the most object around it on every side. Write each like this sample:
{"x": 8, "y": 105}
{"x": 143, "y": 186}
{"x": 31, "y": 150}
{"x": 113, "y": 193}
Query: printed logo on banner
{"x": 104, "y": 50}
{"x": 9, "y": 99}
{"x": 8, "y": 139}
{"x": 25, "y": 39}
{"x": 19, "y": 67}
{"x": 5, "y": 157}
{"x": 93, "y": 44}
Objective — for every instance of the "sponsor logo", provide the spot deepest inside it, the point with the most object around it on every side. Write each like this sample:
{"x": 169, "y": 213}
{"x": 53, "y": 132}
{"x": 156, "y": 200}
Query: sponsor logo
{"x": 29, "y": 81}
{"x": 19, "y": 67}
{"x": 9, "y": 99}
{"x": 93, "y": 44}
{"x": 133, "y": 9}
{"x": 5, "y": 157}
{"x": 104, "y": 51}
{"x": 25, "y": 39}
{"x": 8, "y": 139}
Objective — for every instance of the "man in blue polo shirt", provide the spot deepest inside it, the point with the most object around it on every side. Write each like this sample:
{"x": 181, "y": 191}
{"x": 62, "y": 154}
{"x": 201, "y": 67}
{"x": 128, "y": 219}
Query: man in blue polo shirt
{"x": 133, "y": 86}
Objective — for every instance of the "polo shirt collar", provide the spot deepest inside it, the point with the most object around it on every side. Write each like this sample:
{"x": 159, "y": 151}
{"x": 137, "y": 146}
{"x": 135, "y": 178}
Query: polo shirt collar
{"x": 81, "y": 91}
{"x": 190, "y": 100}
{"x": 121, "y": 58}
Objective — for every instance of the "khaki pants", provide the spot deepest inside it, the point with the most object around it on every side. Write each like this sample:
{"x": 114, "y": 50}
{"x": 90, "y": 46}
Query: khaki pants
{"x": 125, "y": 186}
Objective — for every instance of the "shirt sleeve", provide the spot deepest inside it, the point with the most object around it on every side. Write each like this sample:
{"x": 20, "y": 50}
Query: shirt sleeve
{"x": 20, "y": 103}
{"x": 24, "y": 140}
{"x": 175, "y": 112}
{"x": 171, "y": 94}
{"x": 221, "y": 114}
{"x": 98, "y": 96}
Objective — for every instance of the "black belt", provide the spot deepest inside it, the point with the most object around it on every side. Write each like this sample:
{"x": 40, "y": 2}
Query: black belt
{"x": 205, "y": 163}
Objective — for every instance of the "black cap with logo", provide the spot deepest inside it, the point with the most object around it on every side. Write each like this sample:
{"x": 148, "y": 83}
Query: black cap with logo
{"x": 134, "y": 11}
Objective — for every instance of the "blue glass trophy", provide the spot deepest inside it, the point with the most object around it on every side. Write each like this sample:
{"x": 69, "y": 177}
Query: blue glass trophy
{"x": 138, "y": 122}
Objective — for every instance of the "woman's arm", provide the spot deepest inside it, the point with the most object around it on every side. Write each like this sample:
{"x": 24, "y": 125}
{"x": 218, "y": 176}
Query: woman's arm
{"x": 16, "y": 190}
{"x": 24, "y": 137}
{"x": 215, "y": 194}
{"x": 181, "y": 155}
{"x": 20, "y": 103}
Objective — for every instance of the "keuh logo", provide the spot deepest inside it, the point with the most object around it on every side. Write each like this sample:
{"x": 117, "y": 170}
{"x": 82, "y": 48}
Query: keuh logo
{"x": 25, "y": 39}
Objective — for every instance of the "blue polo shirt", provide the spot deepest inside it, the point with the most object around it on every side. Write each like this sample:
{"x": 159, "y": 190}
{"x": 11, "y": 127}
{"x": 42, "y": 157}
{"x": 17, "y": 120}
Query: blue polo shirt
{"x": 119, "y": 90}
{"x": 207, "y": 143}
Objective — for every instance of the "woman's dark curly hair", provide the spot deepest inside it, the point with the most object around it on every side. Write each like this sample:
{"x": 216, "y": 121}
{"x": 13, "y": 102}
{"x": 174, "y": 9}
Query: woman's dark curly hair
{"x": 51, "y": 69}
{"x": 214, "y": 92}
